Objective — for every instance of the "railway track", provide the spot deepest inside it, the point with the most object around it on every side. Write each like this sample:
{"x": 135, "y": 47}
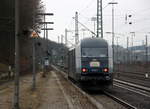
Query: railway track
{"x": 134, "y": 75}
{"x": 125, "y": 104}
{"x": 95, "y": 99}
{"x": 135, "y": 79}
{"x": 145, "y": 91}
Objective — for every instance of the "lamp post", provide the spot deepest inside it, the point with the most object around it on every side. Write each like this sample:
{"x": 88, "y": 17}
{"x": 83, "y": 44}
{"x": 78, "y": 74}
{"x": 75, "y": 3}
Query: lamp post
{"x": 113, "y": 34}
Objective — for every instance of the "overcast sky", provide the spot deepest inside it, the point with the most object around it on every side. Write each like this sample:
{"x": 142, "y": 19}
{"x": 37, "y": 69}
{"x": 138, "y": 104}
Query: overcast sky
{"x": 64, "y": 10}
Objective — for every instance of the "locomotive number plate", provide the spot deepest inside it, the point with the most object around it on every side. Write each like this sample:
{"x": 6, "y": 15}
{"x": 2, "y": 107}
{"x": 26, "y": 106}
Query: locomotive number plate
{"x": 95, "y": 64}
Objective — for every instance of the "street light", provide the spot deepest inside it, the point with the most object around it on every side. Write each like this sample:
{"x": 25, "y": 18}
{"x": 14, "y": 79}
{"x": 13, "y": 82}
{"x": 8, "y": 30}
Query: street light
{"x": 113, "y": 35}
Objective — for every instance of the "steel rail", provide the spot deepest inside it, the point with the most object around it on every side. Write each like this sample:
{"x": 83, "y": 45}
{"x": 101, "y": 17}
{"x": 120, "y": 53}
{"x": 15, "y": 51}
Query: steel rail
{"x": 93, "y": 99}
{"x": 120, "y": 101}
{"x": 133, "y": 85}
{"x": 132, "y": 89}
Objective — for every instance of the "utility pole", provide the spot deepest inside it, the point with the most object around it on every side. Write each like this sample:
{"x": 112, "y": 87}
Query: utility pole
{"x": 58, "y": 39}
{"x": 66, "y": 37}
{"x": 46, "y": 33}
{"x": 146, "y": 56}
{"x": 33, "y": 51}
{"x": 128, "y": 50}
{"x": 117, "y": 53}
{"x": 99, "y": 18}
{"x": 16, "y": 85}
{"x": 62, "y": 37}
{"x": 46, "y": 59}
{"x": 127, "y": 43}
{"x": 117, "y": 48}
{"x": 132, "y": 36}
{"x": 44, "y": 26}
{"x": 113, "y": 30}
{"x": 46, "y": 23}
{"x": 132, "y": 51}
{"x": 94, "y": 20}
{"x": 33, "y": 62}
{"x": 146, "y": 50}
{"x": 76, "y": 29}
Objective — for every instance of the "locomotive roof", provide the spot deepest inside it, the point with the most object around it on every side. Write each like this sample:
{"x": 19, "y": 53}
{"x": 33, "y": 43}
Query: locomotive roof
{"x": 94, "y": 42}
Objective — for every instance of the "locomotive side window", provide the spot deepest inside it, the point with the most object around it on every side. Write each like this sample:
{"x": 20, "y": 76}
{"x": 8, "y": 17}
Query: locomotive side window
{"x": 94, "y": 52}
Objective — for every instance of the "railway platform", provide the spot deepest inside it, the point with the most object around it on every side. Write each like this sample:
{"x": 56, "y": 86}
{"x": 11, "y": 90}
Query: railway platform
{"x": 50, "y": 93}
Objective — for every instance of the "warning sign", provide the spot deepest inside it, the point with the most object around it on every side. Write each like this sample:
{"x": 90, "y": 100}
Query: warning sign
{"x": 34, "y": 34}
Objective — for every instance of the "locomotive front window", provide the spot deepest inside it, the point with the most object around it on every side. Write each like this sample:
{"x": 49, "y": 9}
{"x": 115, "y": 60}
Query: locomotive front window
{"x": 94, "y": 52}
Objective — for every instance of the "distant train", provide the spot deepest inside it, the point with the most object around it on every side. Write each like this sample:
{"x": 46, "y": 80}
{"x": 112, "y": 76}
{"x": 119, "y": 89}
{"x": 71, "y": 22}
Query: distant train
{"x": 90, "y": 63}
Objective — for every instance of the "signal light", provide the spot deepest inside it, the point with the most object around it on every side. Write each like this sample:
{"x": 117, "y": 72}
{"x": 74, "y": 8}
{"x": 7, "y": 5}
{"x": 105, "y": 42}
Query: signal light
{"x": 105, "y": 69}
{"x": 84, "y": 69}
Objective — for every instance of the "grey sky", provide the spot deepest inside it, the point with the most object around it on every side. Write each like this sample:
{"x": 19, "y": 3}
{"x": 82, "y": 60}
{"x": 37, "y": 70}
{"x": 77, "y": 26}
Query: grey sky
{"x": 64, "y": 10}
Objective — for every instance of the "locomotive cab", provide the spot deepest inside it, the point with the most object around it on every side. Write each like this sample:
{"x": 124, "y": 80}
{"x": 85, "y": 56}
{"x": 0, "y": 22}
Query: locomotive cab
{"x": 93, "y": 62}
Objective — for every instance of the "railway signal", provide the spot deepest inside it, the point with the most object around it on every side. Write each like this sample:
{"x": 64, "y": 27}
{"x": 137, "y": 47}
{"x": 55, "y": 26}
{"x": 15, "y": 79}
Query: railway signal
{"x": 34, "y": 34}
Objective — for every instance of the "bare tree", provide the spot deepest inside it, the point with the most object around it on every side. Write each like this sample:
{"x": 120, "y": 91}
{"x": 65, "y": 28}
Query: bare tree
{"x": 28, "y": 8}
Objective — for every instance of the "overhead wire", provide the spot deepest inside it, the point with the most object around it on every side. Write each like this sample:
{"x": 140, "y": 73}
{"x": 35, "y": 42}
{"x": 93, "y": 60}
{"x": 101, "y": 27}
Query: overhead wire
{"x": 105, "y": 6}
{"x": 141, "y": 11}
{"x": 87, "y": 6}
{"x": 93, "y": 15}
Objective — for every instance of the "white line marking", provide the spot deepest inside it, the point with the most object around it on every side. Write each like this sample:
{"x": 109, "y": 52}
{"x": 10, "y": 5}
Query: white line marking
{"x": 62, "y": 89}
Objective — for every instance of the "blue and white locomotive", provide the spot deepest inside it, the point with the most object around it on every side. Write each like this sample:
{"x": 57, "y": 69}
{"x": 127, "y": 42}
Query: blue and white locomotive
{"x": 90, "y": 63}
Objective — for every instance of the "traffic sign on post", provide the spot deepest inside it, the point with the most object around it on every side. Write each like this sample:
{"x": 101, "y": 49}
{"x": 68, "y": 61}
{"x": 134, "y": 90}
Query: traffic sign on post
{"x": 34, "y": 34}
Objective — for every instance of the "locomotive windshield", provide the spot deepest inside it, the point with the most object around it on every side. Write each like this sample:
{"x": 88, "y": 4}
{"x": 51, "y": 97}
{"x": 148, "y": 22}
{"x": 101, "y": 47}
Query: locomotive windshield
{"x": 94, "y": 52}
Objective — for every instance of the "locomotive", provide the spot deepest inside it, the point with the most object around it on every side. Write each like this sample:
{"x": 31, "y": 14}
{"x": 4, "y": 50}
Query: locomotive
{"x": 90, "y": 63}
